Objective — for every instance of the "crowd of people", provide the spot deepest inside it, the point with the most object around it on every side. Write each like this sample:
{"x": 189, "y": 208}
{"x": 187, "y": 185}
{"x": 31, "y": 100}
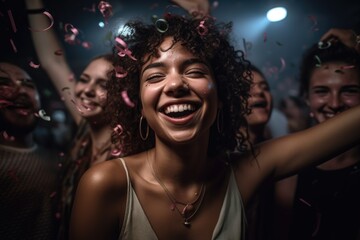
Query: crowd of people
{"x": 173, "y": 141}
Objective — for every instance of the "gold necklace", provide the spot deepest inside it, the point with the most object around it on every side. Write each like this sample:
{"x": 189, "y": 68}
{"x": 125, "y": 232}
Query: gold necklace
{"x": 188, "y": 211}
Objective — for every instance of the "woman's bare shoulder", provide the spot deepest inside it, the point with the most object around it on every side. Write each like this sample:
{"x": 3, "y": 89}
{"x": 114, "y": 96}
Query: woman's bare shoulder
{"x": 106, "y": 175}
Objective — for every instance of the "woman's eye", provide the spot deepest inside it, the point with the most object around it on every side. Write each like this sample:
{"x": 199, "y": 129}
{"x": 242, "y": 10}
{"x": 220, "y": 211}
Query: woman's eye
{"x": 154, "y": 78}
{"x": 195, "y": 74}
{"x": 83, "y": 80}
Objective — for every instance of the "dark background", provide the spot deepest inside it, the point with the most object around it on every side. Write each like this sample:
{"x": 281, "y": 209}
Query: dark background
{"x": 278, "y": 56}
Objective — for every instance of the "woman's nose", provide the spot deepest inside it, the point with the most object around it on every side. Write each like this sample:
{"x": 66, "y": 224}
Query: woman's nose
{"x": 176, "y": 86}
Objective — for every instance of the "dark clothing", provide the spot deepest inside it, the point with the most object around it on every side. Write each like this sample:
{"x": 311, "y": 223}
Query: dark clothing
{"x": 27, "y": 184}
{"x": 327, "y": 204}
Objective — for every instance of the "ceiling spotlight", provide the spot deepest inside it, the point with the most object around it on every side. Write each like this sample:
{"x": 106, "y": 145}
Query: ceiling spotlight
{"x": 276, "y": 14}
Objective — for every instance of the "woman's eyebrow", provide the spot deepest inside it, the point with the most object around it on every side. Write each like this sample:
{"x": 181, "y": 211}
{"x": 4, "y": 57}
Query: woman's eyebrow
{"x": 152, "y": 65}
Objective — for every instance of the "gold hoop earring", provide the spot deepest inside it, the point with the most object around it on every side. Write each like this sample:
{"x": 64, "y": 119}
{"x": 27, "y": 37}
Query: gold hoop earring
{"x": 140, "y": 129}
{"x": 220, "y": 121}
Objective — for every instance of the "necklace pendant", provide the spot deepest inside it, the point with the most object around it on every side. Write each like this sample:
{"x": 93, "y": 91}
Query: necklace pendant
{"x": 187, "y": 223}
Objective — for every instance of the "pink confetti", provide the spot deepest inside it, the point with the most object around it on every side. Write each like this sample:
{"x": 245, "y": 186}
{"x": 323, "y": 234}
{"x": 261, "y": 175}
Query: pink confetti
{"x": 106, "y": 9}
{"x": 123, "y": 49}
{"x": 347, "y": 67}
{"x": 120, "y": 72}
{"x": 70, "y": 28}
{"x": 13, "y": 45}
{"x": 33, "y": 65}
{"x": 116, "y": 152}
{"x": 118, "y": 129}
{"x": 127, "y": 99}
{"x": 12, "y": 21}
{"x": 305, "y": 202}
{"x": 7, "y": 137}
{"x": 265, "y": 37}
{"x": 47, "y": 28}
{"x": 202, "y": 29}
{"x": 86, "y": 45}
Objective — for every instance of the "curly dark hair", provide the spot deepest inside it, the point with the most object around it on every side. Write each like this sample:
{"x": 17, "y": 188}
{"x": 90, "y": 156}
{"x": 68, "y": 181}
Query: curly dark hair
{"x": 316, "y": 56}
{"x": 209, "y": 42}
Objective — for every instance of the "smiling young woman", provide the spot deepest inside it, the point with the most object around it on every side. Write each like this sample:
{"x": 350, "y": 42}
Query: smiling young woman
{"x": 190, "y": 88}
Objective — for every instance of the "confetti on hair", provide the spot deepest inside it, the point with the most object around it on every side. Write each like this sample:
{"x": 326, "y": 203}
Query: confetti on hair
{"x": 106, "y": 9}
{"x": 34, "y": 65}
{"x": 47, "y": 28}
{"x": 161, "y": 25}
{"x": 202, "y": 29}
{"x": 116, "y": 152}
{"x": 120, "y": 72}
{"x": 126, "y": 99}
{"x": 42, "y": 115}
{"x": 118, "y": 129}
{"x": 318, "y": 60}
{"x": 13, "y": 25}
{"x": 13, "y": 45}
{"x": 322, "y": 45}
{"x": 123, "y": 49}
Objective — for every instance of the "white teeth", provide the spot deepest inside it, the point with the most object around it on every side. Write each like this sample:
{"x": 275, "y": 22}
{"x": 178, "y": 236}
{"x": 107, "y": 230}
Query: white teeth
{"x": 179, "y": 108}
{"x": 330, "y": 115}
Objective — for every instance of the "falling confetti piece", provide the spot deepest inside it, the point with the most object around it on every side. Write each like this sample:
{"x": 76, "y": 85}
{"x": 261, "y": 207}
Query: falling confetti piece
{"x": 42, "y": 115}
{"x": 13, "y": 45}
{"x": 34, "y": 65}
{"x": 202, "y": 29}
{"x": 106, "y": 9}
{"x": 47, "y": 28}
{"x": 318, "y": 60}
{"x": 123, "y": 50}
{"x": 13, "y": 25}
{"x": 127, "y": 99}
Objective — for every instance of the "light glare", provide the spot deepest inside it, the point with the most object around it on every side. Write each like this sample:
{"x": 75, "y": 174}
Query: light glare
{"x": 276, "y": 14}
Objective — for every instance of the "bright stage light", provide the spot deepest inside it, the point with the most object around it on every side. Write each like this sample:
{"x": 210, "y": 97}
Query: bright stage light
{"x": 276, "y": 14}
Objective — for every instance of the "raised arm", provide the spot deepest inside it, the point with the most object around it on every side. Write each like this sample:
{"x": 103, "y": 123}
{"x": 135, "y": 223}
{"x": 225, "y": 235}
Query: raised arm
{"x": 51, "y": 56}
{"x": 197, "y": 8}
{"x": 347, "y": 36}
{"x": 287, "y": 155}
